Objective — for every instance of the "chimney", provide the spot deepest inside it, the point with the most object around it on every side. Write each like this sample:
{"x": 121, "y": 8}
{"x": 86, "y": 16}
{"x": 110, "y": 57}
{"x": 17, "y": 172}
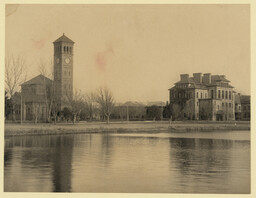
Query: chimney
{"x": 184, "y": 77}
{"x": 207, "y": 79}
{"x": 197, "y": 78}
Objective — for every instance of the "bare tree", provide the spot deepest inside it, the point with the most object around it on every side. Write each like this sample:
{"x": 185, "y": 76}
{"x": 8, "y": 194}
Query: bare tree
{"x": 76, "y": 103}
{"x": 48, "y": 88}
{"x": 105, "y": 100}
{"x": 15, "y": 75}
{"x": 90, "y": 104}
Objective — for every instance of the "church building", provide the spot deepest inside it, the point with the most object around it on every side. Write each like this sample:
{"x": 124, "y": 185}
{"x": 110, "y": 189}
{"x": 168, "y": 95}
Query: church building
{"x": 40, "y": 94}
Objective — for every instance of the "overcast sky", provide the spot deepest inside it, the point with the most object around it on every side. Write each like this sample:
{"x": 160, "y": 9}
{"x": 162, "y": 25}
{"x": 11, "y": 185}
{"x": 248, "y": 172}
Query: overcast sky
{"x": 137, "y": 51}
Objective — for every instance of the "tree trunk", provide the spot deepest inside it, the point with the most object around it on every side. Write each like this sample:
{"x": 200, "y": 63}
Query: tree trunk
{"x": 74, "y": 119}
{"x": 13, "y": 113}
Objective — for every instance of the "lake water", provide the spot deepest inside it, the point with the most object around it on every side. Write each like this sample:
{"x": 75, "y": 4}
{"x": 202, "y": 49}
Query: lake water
{"x": 141, "y": 163}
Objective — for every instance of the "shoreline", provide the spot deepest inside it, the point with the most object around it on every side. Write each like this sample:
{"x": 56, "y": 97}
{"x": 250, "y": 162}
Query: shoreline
{"x": 12, "y": 129}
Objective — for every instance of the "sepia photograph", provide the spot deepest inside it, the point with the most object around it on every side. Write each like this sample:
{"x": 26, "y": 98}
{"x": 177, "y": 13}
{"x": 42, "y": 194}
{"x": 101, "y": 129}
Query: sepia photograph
{"x": 127, "y": 98}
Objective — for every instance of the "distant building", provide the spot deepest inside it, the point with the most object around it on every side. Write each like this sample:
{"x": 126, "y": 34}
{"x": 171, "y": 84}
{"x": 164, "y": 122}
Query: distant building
{"x": 245, "y": 107}
{"x": 242, "y": 107}
{"x": 238, "y": 109}
{"x": 202, "y": 97}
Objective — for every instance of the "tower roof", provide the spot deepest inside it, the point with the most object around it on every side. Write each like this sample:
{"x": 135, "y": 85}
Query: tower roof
{"x": 63, "y": 38}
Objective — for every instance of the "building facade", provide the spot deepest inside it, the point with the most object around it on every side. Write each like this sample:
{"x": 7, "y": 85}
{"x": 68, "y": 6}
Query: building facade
{"x": 202, "y": 97}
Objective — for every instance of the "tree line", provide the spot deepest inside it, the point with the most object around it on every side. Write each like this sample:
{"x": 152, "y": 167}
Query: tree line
{"x": 95, "y": 105}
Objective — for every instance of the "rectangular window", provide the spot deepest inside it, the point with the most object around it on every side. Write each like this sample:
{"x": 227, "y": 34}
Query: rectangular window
{"x": 196, "y": 94}
{"x": 201, "y": 95}
{"x": 230, "y": 95}
{"x": 222, "y": 94}
{"x": 218, "y": 93}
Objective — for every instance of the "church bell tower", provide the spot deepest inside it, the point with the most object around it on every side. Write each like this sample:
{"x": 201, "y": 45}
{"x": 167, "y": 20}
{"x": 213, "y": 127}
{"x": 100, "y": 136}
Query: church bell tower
{"x": 63, "y": 71}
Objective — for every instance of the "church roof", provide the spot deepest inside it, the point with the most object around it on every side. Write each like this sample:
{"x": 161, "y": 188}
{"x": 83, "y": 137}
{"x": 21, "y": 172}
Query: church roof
{"x": 38, "y": 80}
{"x": 63, "y": 38}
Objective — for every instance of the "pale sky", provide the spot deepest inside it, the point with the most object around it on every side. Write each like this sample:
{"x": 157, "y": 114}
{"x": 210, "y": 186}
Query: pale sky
{"x": 137, "y": 51}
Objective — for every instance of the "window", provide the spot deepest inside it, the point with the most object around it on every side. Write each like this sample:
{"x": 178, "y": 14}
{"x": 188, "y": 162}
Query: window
{"x": 211, "y": 93}
{"x": 222, "y": 94}
{"x": 201, "y": 95}
{"x": 205, "y": 95}
{"x": 230, "y": 95}
{"x": 218, "y": 93}
{"x": 218, "y": 107}
{"x": 226, "y": 95}
{"x": 229, "y": 105}
{"x": 196, "y": 94}
{"x": 223, "y": 104}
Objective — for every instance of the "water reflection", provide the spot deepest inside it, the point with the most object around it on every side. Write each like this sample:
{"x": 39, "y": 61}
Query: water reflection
{"x": 121, "y": 163}
{"x": 48, "y": 157}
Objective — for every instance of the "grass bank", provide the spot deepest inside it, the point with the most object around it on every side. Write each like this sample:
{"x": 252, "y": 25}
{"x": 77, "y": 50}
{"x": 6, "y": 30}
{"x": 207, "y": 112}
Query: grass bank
{"x": 12, "y": 129}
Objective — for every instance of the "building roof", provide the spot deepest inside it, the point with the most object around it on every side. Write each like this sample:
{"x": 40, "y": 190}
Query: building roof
{"x": 216, "y": 80}
{"x": 186, "y": 80}
{"x": 63, "y": 38}
{"x": 38, "y": 80}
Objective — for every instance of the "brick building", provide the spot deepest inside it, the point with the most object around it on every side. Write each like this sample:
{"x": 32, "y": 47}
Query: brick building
{"x": 202, "y": 97}
{"x": 37, "y": 93}
{"x": 34, "y": 97}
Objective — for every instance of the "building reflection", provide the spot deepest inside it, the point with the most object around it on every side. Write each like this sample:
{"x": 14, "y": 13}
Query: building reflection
{"x": 49, "y": 156}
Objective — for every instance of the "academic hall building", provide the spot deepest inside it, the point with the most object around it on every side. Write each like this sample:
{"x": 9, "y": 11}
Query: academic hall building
{"x": 202, "y": 97}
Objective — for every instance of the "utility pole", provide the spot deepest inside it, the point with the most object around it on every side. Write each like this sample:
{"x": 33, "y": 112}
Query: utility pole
{"x": 127, "y": 113}
{"x": 21, "y": 107}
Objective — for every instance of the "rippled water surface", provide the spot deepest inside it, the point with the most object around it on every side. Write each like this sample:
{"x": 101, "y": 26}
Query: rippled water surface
{"x": 146, "y": 163}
